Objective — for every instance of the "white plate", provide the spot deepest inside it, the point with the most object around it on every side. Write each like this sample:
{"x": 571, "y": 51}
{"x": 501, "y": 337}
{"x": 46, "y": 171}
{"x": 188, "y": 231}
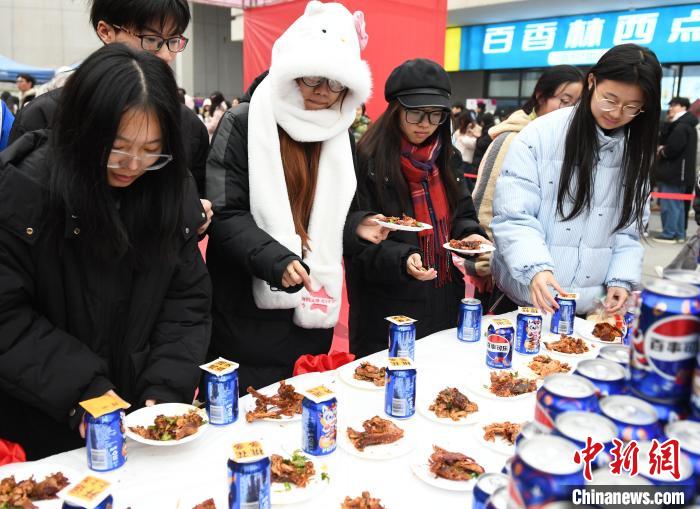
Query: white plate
{"x": 316, "y": 486}
{"x": 398, "y": 227}
{"x": 23, "y": 471}
{"x": 376, "y": 452}
{"x": 426, "y": 400}
{"x": 584, "y": 328}
{"x": 146, "y": 415}
{"x": 346, "y": 374}
{"x": 592, "y": 349}
{"x": 483, "y": 382}
{"x": 421, "y": 468}
{"x": 484, "y": 248}
{"x": 499, "y": 445}
{"x": 528, "y": 371}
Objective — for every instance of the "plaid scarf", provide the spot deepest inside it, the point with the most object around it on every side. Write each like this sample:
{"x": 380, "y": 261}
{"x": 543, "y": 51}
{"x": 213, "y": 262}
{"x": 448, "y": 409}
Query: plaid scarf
{"x": 429, "y": 203}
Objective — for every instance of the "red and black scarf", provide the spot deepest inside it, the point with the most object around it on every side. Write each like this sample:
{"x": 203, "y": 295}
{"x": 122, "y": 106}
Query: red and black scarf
{"x": 429, "y": 203}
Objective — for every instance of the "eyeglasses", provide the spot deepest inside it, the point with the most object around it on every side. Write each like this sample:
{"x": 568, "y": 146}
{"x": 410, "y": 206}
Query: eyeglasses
{"x": 609, "y": 105}
{"x": 334, "y": 86}
{"x": 149, "y": 162}
{"x": 435, "y": 117}
{"x": 155, "y": 42}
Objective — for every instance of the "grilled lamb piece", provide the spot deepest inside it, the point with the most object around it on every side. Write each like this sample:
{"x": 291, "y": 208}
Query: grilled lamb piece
{"x": 454, "y": 466}
{"x": 377, "y": 431}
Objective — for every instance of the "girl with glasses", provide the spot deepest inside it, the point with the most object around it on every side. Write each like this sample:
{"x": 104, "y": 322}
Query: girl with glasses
{"x": 102, "y": 284}
{"x": 281, "y": 177}
{"x": 572, "y": 195}
{"x": 407, "y": 164}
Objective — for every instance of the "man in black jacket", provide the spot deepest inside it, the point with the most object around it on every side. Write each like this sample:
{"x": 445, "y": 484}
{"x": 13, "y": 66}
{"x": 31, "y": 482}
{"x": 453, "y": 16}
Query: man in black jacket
{"x": 151, "y": 25}
{"x": 676, "y": 168}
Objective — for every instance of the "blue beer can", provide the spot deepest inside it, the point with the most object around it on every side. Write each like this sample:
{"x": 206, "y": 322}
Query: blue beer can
{"x": 486, "y": 485}
{"x": 528, "y": 331}
{"x": 402, "y": 336}
{"x": 530, "y": 429}
{"x": 89, "y": 493}
{"x": 686, "y": 483}
{"x": 616, "y": 353}
{"x": 666, "y": 340}
{"x": 107, "y": 503}
{"x": 695, "y": 396}
{"x": 400, "y": 388}
{"x": 319, "y": 419}
{"x": 629, "y": 319}
{"x": 578, "y": 426}
{"x": 667, "y": 410}
{"x": 249, "y": 477}
{"x": 221, "y": 380}
{"x": 688, "y": 435}
{"x": 607, "y": 376}
{"x": 105, "y": 441}
{"x": 605, "y": 478}
{"x": 562, "y": 392}
{"x": 544, "y": 471}
{"x": 499, "y": 344}
{"x": 499, "y": 499}
{"x": 635, "y": 419}
{"x": 690, "y": 277}
{"x": 469, "y": 320}
{"x": 563, "y": 317}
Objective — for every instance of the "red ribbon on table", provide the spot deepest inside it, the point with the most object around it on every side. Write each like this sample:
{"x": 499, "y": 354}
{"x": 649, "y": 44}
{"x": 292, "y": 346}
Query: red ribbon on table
{"x": 318, "y": 363}
{"x": 11, "y": 453}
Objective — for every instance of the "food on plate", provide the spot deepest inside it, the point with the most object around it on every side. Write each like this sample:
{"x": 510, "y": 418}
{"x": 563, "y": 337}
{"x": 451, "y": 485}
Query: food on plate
{"x": 508, "y": 384}
{"x": 286, "y": 402}
{"x": 465, "y": 245}
{"x": 506, "y": 430}
{"x": 364, "y": 502}
{"x": 568, "y": 344}
{"x": 454, "y": 466}
{"x": 403, "y": 221}
{"x": 544, "y": 365}
{"x": 175, "y": 427}
{"x": 606, "y": 332}
{"x": 207, "y": 504}
{"x": 377, "y": 431}
{"x": 367, "y": 372}
{"x": 21, "y": 494}
{"x": 453, "y": 404}
{"x": 295, "y": 470}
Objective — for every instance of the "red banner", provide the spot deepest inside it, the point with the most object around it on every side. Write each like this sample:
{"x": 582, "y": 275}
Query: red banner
{"x": 398, "y": 31}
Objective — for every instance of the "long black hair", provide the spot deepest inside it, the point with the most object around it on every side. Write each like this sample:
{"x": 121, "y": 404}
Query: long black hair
{"x": 382, "y": 144}
{"x": 548, "y": 83}
{"x": 626, "y": 63}
{"x": 110, "y": 82}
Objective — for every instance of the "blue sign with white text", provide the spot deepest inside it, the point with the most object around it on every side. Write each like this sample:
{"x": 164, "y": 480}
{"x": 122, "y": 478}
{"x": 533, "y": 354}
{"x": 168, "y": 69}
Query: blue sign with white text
{"x": 673, "y": 33}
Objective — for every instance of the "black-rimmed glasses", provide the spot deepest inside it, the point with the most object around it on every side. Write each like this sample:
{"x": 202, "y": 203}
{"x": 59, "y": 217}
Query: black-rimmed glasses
{"x": 334, "y": 86}
{"x": 435, "y": 117}
{"x": 151, "y": 42}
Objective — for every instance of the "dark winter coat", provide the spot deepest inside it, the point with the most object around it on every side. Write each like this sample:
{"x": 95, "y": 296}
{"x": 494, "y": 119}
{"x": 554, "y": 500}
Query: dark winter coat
{"x": 72, "y": 328}
{"x": 264, "y": 341}
{"x": 677, "y": 159}
{"x": 377, "y": 282}
{"x": 39, "y": 114}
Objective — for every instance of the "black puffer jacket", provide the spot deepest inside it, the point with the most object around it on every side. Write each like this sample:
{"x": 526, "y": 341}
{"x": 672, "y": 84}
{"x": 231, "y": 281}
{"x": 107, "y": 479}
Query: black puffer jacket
{"x": 377, "y": 282}
{"x": 677, "y": 159}
{"x": 71, "y": 329}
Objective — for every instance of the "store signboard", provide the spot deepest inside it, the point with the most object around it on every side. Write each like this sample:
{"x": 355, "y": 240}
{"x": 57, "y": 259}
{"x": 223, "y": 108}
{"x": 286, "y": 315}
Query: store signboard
{"x": 673, "y": 33}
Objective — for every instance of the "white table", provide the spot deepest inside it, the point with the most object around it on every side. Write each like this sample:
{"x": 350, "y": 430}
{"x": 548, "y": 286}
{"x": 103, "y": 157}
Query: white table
{"x": 163, "y": 477}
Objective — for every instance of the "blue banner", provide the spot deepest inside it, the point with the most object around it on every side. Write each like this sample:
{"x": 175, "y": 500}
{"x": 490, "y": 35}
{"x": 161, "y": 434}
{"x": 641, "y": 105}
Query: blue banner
{"x": 673, "y": 33}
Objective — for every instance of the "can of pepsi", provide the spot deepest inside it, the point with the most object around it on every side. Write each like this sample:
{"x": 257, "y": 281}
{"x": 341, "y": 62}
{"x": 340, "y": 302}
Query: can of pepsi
{"x": 485, "y": 486}
{"x": 499, "y": 344}
{"x": 666, "y": 340}
{"x": 562, "y": 392}
{"x": 544, "y": 471}
{"x": 402, "y": 336}
{"x": 530, "y": 429}
{"x": 690, "y": 277}
{"x": 667, "y": 410}
{"x": 107, "y": 503}
{"x": 686, "y": 481}
{"x": 528, "y": 331}
{"x": 688, "y": 435}
{"x": 400, "y": 388}
{"x": 564, "y": 316}
{"x": 635, "y": 419}
{"x": 221, "y": 382}
{"x": 469, "y": 320}
{"x": 506, "y": 466}
{"x": 249, "y": 477}
{"x": 579, "y": 426}
{"x": 499, "y": 499}
{"x": 616, "y": 353}
{"x": 319, "y": 418}
{"x": 105, "y": 441}
{"x": 604, "y": 477}
{"x": 607, "y": 376}
{"x": 629, "y": 319}
{"x": 695, "y": 395}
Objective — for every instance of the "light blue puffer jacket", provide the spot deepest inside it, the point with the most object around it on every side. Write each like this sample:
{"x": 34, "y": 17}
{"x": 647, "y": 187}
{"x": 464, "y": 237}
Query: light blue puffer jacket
{"x": 584, "y": 253}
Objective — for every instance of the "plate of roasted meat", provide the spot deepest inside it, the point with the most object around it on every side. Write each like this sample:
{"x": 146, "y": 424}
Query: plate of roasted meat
{"x": 375, "y": 438}
{"x": 404, "y": 223}
{"x": 33, "y": 485}
{"x": 447, "y": 466}
{"x": 296, "y": 477}
{"x": 570, "y": 346}
{"x": 498, "y": 435}
{"x": 364, "y": 501}
{"x": 449, "y": 405}
{"x": 279, "y": 402}
{"x": 166, "y": 424}
{"x": 543, "y": 365}
{"x": 600, "y": 332}
{"x": 506, "y": 384}
{"x": 468, "y": 247}
{"x": 364, "y": 375}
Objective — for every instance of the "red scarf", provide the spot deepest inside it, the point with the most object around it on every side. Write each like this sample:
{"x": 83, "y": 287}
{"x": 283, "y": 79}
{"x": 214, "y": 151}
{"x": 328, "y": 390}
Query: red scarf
{"x": 424, "y": 181}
